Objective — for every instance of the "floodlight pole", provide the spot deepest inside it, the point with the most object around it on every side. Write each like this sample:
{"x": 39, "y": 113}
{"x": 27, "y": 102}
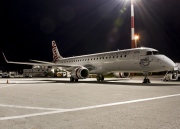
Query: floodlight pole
{"x": 132, "y": 26}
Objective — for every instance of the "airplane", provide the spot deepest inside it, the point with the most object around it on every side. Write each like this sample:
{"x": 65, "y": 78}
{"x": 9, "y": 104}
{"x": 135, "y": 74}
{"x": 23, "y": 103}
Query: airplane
{"x": 121, "y": 63}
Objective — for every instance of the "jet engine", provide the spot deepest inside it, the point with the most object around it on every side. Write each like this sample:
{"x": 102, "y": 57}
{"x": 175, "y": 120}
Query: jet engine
{"x": 121, "y": 74}
{"x": 80, "y": 73}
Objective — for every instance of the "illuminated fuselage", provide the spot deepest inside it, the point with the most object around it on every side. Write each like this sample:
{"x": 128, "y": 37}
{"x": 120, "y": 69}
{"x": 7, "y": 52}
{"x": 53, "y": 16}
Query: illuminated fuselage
{"x": 130, "y": 60}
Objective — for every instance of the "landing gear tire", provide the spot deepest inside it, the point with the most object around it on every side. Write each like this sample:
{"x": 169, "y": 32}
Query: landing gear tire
{"x": 146, "y": 80}
{"x": 100, "y": 78}
{"x": 71, "y": 79}
{"x": 76, "y": 80}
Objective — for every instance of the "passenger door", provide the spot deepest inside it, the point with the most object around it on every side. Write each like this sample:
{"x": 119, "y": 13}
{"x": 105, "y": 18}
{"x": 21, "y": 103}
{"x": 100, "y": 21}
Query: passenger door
{"x": 136, "y": 57}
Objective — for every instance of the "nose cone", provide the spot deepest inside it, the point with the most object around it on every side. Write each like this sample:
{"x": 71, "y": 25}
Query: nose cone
{"x": 167, "y": 63}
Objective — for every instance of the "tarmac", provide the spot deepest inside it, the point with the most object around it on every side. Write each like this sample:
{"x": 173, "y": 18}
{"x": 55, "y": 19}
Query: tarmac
{"x": 56, "y": 103}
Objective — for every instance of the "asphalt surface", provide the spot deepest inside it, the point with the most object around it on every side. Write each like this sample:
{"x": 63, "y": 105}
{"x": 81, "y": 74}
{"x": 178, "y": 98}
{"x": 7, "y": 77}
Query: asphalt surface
{"x": 54, "y": 103}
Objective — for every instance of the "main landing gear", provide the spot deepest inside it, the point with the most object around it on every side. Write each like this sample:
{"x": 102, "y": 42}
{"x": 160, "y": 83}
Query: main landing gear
{"x": 146, "y": 79}
{"x": 100, "y": 78}
{"x": 72, "y": 79}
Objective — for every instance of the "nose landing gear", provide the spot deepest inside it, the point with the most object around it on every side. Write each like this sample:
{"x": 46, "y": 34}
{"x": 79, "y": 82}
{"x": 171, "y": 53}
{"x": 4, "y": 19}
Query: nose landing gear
{"x": 146, "y": 79}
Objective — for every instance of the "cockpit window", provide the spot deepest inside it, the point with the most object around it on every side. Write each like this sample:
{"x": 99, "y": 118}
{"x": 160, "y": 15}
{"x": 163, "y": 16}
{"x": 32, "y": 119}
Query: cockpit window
{"x": 152, "y": 53}
{"x": 148, "y": 53}
{"x": 155, "y": 52}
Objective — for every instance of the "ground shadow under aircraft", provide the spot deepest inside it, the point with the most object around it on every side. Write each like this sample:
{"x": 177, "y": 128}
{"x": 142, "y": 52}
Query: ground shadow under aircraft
{"x": 125, "y": 82}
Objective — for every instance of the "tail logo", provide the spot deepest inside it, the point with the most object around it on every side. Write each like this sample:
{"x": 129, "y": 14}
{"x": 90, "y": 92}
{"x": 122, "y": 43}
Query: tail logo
{"x": 56, "y": 55}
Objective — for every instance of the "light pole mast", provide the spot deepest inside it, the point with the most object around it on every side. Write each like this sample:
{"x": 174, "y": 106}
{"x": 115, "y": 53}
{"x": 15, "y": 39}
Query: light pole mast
{"x": 132, "y": 26}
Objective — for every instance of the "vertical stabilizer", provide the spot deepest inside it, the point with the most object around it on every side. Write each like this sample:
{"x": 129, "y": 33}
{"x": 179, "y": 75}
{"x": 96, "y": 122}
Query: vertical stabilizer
{"x": 56, "y": 55}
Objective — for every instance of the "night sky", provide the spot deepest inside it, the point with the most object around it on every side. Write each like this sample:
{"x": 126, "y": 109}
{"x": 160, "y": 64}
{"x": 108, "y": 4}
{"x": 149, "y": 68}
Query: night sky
{"x": 84, "y": 27}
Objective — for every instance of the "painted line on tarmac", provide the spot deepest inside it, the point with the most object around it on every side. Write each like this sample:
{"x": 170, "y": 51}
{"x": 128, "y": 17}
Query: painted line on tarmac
{"x": 86, "y": 108}
{"x": 27, "y": 107}
{"x": 8, "y": 85}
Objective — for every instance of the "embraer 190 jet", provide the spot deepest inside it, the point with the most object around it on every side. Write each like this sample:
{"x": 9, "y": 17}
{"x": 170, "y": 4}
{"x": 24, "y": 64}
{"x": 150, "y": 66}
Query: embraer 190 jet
{"x": 121, "y": 63}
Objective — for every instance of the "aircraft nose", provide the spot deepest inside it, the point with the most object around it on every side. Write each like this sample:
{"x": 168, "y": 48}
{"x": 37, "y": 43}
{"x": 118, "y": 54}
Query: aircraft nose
{"x": 167, "y": 63}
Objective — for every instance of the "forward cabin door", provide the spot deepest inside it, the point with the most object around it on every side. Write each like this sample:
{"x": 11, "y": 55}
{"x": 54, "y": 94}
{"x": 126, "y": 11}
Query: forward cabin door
{"x": 136, "y": 57}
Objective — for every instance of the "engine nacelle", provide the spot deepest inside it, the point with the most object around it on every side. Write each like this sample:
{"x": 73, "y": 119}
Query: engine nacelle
{"x": 80, "y": 73}
{"x": 121, "y": 74}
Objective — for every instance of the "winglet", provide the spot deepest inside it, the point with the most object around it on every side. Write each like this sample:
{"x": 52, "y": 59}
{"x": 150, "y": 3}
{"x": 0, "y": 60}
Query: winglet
{"x": 5, "y": 58}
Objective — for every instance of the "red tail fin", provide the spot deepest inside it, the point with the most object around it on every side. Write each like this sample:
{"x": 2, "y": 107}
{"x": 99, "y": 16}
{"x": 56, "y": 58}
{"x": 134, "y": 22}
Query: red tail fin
{"x": 56, "y": 55}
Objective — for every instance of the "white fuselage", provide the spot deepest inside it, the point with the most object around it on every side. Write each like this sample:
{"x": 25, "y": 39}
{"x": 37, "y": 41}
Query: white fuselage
{"x": 130, "y": 60}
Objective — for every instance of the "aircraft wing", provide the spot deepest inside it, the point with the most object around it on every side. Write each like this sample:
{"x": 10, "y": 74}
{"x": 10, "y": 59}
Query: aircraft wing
{"x": 45, "y": 62}
{"x": 40, "y": 64}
